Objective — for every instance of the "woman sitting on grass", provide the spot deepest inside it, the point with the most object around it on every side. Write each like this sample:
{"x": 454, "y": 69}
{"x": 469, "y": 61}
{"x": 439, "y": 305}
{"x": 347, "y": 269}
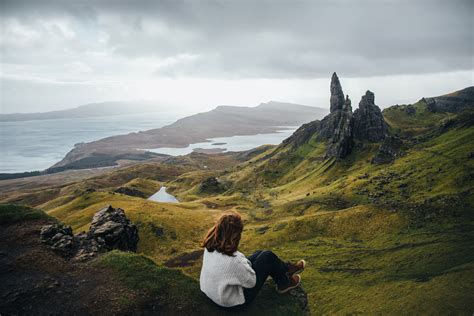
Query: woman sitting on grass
{"x": 230, "y": 279}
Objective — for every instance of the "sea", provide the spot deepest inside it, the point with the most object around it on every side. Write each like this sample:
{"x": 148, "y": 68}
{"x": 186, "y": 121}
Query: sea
{"x": 39, "y": 144}
{"x": 231, "y": 143}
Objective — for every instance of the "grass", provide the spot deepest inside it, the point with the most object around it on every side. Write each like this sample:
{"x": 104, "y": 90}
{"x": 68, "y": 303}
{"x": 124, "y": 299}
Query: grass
{"x": 407, "y": 124}
{"x": 175, "y": 293}
{"x": 379, "y": 239}
{"x": 165, "y": 229}
{"x": 12, "y": 213}
{"x": 146, "y": 186}
{"x": 407, "y": 272}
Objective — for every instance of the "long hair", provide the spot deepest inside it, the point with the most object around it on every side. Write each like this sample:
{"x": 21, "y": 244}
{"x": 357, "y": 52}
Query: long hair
{"x": 224, "y": 236}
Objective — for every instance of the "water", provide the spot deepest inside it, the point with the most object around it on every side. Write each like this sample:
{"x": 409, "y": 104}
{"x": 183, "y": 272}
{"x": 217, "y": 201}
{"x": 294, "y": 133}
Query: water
{"x": 232, "y": 143}
{"x": 37, "y": 145}
{"x": 163, "y": 196}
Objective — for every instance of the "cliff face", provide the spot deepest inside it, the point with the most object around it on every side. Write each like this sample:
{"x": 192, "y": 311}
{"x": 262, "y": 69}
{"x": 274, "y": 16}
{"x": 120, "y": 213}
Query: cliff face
{"x": 369, "y": 124}
{"x": 341, "y": 127}
{"x": 342, "y": 140}
{"x": 454, "y": 102}
{"x": 337, "y": 96}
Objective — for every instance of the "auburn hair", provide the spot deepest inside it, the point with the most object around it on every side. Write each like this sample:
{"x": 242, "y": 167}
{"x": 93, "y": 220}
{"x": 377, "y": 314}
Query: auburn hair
{"x": 225, "y": 235}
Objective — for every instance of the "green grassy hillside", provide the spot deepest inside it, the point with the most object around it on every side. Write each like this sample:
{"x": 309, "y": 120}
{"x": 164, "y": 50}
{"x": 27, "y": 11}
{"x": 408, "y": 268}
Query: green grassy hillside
{"x": 390, "y": 238}
{"x": 175, "y": 293}
{"x": 113, "y": 283}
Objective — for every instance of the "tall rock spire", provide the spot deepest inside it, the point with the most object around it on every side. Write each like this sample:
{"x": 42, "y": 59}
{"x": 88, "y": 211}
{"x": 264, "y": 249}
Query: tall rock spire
{"x": 341, "y": 129}
{"x": 337, "y": 96}
{"x": 342, "y": 140}
{"x": 369, "y": 124}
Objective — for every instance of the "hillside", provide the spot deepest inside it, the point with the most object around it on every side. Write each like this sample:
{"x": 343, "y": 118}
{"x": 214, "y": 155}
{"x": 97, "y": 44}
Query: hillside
{"x": 37, "y": 280}
{"x": 220, "y": 122}
{"x": 379, "y": 203}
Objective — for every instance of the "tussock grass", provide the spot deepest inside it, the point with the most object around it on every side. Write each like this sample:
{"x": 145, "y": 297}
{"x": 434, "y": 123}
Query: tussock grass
{"x": 175, "y": 293}
{"x": 12, "y": 213}
{"x": 378, "y": 239}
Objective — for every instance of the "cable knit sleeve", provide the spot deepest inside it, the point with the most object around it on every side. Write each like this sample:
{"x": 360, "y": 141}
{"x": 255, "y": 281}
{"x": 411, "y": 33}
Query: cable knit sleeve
{"x": 246, "y": 274}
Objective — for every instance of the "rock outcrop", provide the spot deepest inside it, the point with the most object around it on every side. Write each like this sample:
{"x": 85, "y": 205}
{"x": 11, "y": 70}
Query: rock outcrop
{"x": 130, "y": 192}
{"x": 115, "y": 229}
{"x": 337, "y": 96}
{"x": 303, "y": 134}
{"x": 342, "y": 141}
{"x": 341, "y": 128}
{"x": 211, "y": 185}
{"x": 388, "y": 151}
{"x": 337, "y": 126}
{"x": 60, "y": 238}
{"x": 110, "y": 229}
{"x": 302, "y": 298}
{"x": 369, "y": 124}
{"x": 453, "y": 102}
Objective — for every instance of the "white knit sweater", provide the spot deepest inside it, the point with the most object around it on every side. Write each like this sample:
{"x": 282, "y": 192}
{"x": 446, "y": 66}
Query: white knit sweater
{"x": 223, "y": 277}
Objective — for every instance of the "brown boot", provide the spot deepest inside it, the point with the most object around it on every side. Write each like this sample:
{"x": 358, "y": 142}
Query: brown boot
{"x": 295, "y": 280}
{"x": 294, "y": 268}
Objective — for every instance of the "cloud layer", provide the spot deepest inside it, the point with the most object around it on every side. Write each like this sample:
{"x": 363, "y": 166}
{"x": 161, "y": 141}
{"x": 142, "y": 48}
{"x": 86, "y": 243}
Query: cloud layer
{"x": 107, "y": 42}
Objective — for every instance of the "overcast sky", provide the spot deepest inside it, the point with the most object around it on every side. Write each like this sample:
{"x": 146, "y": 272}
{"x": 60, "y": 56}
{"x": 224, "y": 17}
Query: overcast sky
{"x": 199, "y": 54}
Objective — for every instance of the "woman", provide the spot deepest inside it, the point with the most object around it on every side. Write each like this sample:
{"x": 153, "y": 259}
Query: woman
{"x": 229, "y": 278}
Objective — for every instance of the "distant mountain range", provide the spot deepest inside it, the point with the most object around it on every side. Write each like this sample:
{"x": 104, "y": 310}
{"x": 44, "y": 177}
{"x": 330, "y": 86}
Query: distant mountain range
{"x": 88, "y": 110}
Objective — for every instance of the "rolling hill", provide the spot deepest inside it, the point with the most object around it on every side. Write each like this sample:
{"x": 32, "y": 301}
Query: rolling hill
{"x": 379, "y": 203}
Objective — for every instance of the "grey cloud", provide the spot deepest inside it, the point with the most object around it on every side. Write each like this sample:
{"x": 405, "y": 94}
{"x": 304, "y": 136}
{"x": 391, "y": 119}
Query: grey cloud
{"x": 258, "y": 39}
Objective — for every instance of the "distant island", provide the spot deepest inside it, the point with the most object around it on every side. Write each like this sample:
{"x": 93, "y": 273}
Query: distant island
{"x": 88, "y": 110}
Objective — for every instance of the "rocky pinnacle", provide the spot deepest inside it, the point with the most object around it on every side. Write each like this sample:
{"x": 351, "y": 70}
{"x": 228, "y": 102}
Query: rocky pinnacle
{"x": 337, "y": 96}
{"x": 369, "y": 124}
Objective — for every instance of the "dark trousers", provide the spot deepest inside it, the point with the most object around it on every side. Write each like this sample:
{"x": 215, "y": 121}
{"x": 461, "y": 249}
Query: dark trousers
{"x": 265, "y": 263}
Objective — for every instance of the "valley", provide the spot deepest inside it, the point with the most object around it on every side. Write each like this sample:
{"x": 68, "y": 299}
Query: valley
{"x": 379, "y": 203}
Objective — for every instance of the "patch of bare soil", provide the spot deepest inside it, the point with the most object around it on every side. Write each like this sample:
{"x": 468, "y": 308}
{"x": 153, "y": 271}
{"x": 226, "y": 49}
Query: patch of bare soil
{"x": 185, "y": 259}
{"x": 36, "y": 281}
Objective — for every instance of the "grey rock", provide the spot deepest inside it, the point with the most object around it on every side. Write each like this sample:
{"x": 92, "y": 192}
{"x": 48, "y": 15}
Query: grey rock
{"x": 157, "y": 230}
{"x": 337, "y": 96}
{"x": 262, "y": 230}
{"x": 303, "y": 134}
{"x": 130, "y": 192}
{"x": 342, "y": 140}
{"x": 110, "y": 229}
{"x": 302, "y": 298}
{"x": 341, "y": 127}
{"x": 336, "y": 127}
{"x": 211, "y": 185}
{"x": 115, "y": 229}
{"x": 369, "y": 124}
{"x": 410, "y": 110}
{"x": 453, "y": 102}
{"x": 388, "y": 151}
{"x": 59, "y": 238}
{"x": 328, "y": 125}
